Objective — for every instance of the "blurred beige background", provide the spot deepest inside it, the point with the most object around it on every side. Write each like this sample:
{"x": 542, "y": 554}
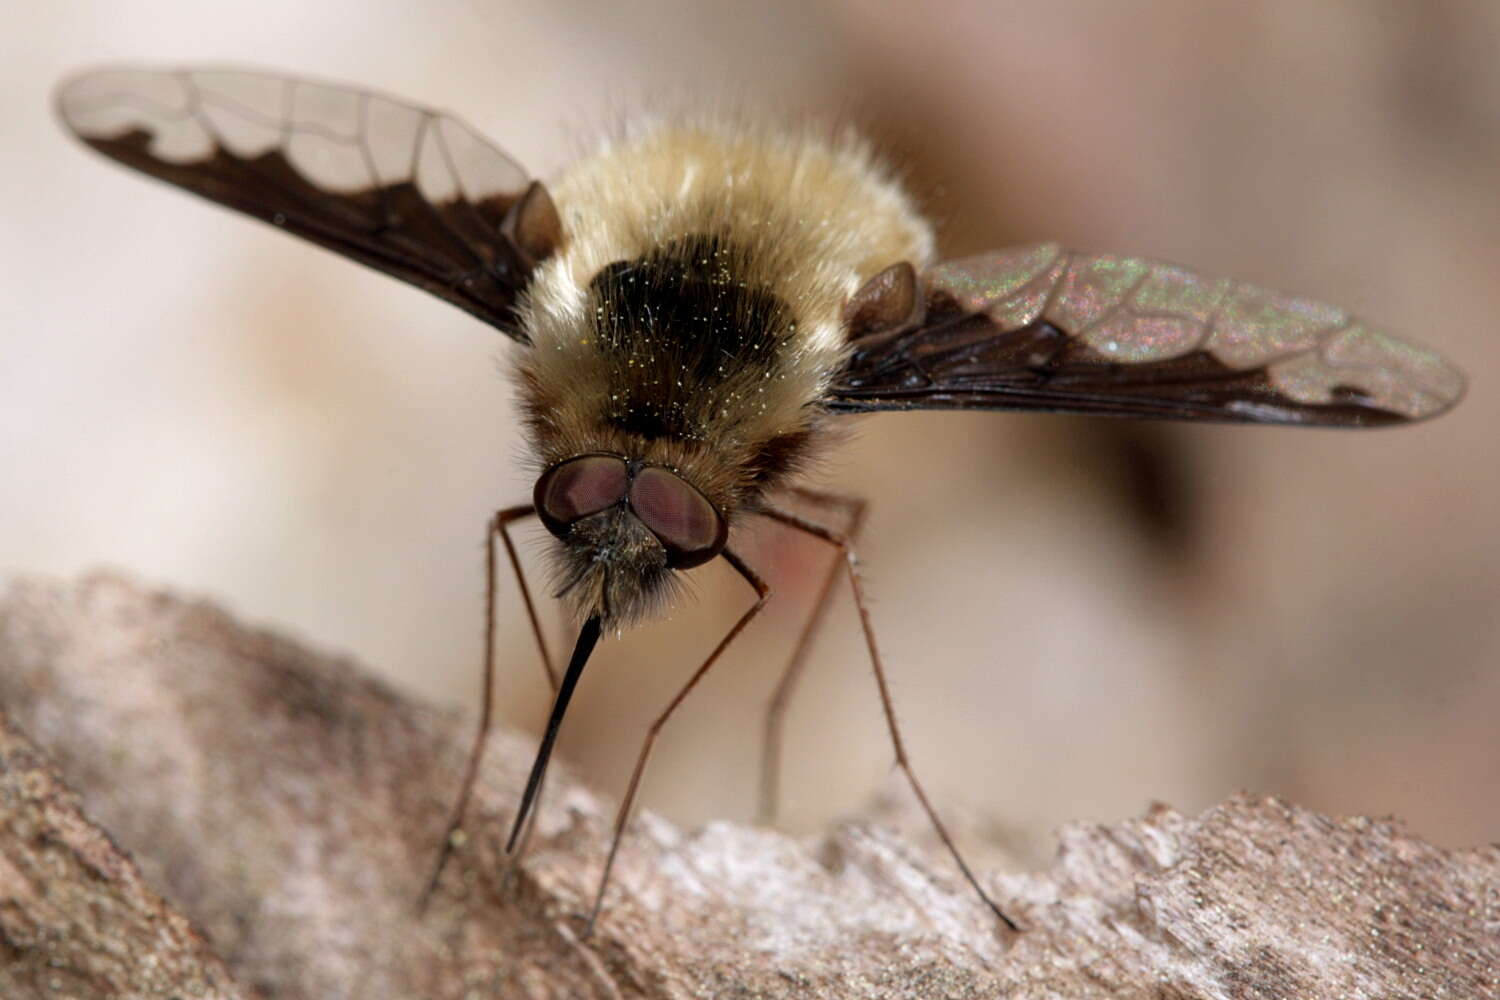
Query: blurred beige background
{"x": 1079, "y": 617}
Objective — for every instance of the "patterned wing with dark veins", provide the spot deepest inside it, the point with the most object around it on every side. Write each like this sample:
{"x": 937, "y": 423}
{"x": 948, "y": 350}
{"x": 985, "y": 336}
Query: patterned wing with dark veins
{"x": 1042, "y": 328}
{"x": 411, "y": 192}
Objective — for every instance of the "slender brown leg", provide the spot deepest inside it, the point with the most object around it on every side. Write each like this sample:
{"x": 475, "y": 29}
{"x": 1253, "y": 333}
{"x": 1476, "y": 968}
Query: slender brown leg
{"x": 541, "y": 644}
{"x": 497, "y": 527}
{"x": 771, "y": 738}
{"x": 502, "y": 523}
{"x": 762, "y": 594}
{"x": 852, "y": 562}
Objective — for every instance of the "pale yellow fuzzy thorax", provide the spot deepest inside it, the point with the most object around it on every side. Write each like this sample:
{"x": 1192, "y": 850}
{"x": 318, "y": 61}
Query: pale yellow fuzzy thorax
{"x": 810, "y": 216}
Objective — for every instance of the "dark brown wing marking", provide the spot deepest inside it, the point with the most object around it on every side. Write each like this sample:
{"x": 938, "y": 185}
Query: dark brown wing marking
{"x": 408, "y": 191}
{"x": 1042, "y": 328}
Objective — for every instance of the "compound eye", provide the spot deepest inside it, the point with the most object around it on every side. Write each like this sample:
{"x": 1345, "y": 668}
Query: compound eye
{"x": 579, "y": 487}
{"x": 679, "y": 516}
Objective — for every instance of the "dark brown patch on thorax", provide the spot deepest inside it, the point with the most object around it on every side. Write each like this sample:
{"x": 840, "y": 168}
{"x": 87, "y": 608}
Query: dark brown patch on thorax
{"x": 679, "y": 323}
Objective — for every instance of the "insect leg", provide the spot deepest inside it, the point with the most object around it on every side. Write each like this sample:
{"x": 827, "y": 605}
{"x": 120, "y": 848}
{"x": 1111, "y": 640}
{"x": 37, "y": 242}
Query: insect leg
{"x": 771, "y": 739}
{"x": 502, "y": 524}
{"x": 497, "y": 526}
{"x": 541, "y": 645}
{"x": 762, "y": 594}
{"x": 852, "y": 562}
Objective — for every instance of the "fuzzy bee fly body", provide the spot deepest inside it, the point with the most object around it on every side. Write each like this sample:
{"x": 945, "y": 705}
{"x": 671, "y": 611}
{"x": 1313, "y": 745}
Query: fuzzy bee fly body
{"x": 692, "y": 320}
{"x": 694, "y": 307}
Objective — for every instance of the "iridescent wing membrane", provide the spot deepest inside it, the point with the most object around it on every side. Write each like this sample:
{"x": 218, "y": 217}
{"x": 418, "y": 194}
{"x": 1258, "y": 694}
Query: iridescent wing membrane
{"x": 1043, "y": 328}
{"x": 419, "y": 195}
{"x": 412, "y": 192}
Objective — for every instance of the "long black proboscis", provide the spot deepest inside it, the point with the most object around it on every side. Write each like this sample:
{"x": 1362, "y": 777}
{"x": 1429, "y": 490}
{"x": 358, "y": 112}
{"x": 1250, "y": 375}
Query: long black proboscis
{"x": 588, "y": 636}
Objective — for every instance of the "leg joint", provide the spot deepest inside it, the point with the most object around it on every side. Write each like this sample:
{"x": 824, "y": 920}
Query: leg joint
{"x": 509, "y": 514}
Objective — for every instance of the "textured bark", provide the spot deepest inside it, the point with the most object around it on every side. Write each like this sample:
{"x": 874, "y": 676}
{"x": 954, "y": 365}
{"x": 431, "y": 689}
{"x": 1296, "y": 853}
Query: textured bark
{"x": 290, "y": 808}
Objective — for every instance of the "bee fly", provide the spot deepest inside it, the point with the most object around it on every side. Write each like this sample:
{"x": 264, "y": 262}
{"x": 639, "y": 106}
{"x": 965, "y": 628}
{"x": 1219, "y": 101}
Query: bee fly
{"x": 698, "y": 303}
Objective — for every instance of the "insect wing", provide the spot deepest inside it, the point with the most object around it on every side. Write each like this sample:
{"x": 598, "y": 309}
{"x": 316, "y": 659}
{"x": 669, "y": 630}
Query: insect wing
{"x": 409, "y": 191}
{"x": 1043, "y": 328}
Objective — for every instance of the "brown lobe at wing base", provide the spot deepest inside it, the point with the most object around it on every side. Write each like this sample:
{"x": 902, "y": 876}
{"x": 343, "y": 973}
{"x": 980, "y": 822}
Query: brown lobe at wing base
{"x": 890, "y": 300}
{"x": 534, "y": 225}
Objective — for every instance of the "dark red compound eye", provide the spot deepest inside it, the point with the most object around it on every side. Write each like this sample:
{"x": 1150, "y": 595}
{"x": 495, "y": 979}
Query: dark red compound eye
{"x": 580, "y": 487}
{"x": 679, "y": 516}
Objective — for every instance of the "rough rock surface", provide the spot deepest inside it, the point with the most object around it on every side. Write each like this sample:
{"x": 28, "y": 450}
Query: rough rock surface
{"x": 258, "y": 820}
